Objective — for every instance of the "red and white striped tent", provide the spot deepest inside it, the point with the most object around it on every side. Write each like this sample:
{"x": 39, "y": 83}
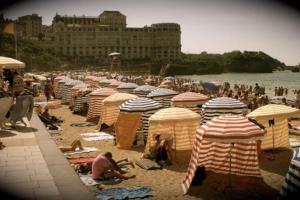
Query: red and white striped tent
{"x": 213, "y": 150}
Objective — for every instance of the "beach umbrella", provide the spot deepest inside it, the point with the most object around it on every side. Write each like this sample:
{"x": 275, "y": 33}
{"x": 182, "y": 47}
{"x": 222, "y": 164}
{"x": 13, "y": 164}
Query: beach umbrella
{"x": 227, "y": 145}
{"x": 291, "y": 185}
{"x": 106, "y": 82}
{"x": 10, "y": 63}
{"x": 110, "y": 109}
{"x": 275, "y": 118}
{"x": 114, "y": 84}
{"x": 129, "y": 120}
{"x": 279, "y": 100}
{"x": 127, "y": 87}
{"x": 210, "y": 86}
{"x": 222, "y": 105}
{"x": 144, "y": 90}
{"x": 179, "y": 124}
{"x": 162, "y": 95}
{"x": 171, "y": 78}
{"x": 190, "y": 100}
{"x": 114, "y": 54}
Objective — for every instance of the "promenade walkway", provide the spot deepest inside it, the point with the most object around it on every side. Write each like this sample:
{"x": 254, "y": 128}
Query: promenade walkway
{"x": 32, "y": 167}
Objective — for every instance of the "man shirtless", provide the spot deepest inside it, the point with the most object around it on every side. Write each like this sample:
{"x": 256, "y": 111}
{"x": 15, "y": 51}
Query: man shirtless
{"x": 104, "y": 167}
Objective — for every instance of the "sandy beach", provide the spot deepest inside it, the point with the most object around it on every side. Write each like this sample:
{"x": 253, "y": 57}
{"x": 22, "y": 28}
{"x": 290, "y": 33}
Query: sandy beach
{"x": 167, "y": 182}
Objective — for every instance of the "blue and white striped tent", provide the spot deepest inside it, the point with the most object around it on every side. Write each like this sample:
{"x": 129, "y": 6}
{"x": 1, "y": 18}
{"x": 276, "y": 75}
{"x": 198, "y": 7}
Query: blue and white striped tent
{"x": 222, "y": 105}
{"x": 145, "y": 106}
{"x": 66, "y": 92}
{"x": 140, "y": 104}
{"x": 291, "y": 184}
{"x": 162, "y": 95}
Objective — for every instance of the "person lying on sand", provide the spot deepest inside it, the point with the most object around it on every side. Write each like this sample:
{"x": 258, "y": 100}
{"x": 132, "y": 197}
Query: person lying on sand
{"x": 105, "y": 167}
{"x": 74, "y": 145}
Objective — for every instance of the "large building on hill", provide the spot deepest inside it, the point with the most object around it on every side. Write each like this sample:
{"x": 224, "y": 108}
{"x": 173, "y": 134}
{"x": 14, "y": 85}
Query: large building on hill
{"x": 29, "y": 26}
{"x": 87, "y": 38}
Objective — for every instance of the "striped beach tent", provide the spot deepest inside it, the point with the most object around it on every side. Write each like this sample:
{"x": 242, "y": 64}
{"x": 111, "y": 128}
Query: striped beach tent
{"x": 127, "y": 129}
{"x": 179, "y": 124}
{"x": 275, "y": 118}
{"x": 291, "y": 185}
{"x": 213, "y": 148}
{"x": 190, "y": 100}
{"x": 127, "y": 87}
{"x": 81, "y": 101}
{"x": 110, "y": 109}
{"x": 144, "y": 90}
{"x": 96, "y": 101}
{"x": 74, "y": 91}
{"x": 66, "y": 95}
{"x": 220, "y": 106}
{"x": 162, "y": 95}
{"x": 60, "y": 88}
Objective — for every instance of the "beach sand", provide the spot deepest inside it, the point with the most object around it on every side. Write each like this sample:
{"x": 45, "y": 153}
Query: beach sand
{"x": 166, "y": 183}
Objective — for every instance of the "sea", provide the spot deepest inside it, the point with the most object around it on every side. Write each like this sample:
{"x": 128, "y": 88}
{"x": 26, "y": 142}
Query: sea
{"x": 286, "y": 79}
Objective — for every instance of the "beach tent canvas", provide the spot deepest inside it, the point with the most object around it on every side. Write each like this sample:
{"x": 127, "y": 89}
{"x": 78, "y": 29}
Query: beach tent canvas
{"x": 221, "y": 106}
{"x": 96, "y": 101}
{"x": 190, "y": 100}
{"x": 131, "y": 118}
{"x": 178, "y": 123}
{"x": 277, "y": 132}
{"x": 110, "y": 109}
{"x": 213, "y": 148}
{"x": 125, "y": 127}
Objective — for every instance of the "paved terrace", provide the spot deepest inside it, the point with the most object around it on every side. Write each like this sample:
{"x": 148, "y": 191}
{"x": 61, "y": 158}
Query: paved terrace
{"x": 32, "y": 167}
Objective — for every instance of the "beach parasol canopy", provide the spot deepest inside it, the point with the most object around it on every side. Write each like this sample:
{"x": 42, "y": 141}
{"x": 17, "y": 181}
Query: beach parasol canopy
{"x": 231, "y": 129}
{"x": 227, "y": 145}
{"x": 271, "y": 111}
{"x": 159, "y": 92}
{"x": 114, "y": 54}
{"x": 291, "y": 184}
{"x": 140, "y": 105}
{"x": 275, "y": 118}
{"x": 211, "y": 86}
{"x": 10, "y": 63}
{"x": 171, "y": 78}
{"x": 179, "y": 124}
{"x": 145, "y": 89}
{"x": 279, "y": 100}
{"x": 128, "y": 86}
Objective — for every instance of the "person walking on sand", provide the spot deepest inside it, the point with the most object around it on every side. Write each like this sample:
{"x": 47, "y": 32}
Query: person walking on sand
{"x": 105, "y": 167}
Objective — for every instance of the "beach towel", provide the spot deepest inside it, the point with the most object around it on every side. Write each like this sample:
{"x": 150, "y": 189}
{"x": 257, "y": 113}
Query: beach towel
{"x": 85, "y": 150}
{"x": 89, "y": 181}
{"x": 96, "y": 136}
{"x": 147, "y": 164}
{"x": 83, "y": 124}
{"x": 81, "y": 160}
{"x": 124, "y": 193}
{"x": 294, "y": 142}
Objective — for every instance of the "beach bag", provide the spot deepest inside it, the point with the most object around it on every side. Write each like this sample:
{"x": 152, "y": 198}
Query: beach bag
{"x": 200, "y": 175}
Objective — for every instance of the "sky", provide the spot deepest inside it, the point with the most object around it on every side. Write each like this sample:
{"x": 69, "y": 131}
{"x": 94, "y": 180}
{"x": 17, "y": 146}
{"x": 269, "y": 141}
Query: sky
{"x": 214, "y": 26}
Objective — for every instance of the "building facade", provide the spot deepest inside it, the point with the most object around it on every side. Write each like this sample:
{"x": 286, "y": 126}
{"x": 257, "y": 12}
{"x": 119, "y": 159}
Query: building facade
{"x": 29, "y": 26}
{"x": 95, "y": 37}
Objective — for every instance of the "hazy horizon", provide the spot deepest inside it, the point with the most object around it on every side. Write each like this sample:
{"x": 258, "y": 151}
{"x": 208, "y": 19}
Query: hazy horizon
{"x": 206, "y": 25}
